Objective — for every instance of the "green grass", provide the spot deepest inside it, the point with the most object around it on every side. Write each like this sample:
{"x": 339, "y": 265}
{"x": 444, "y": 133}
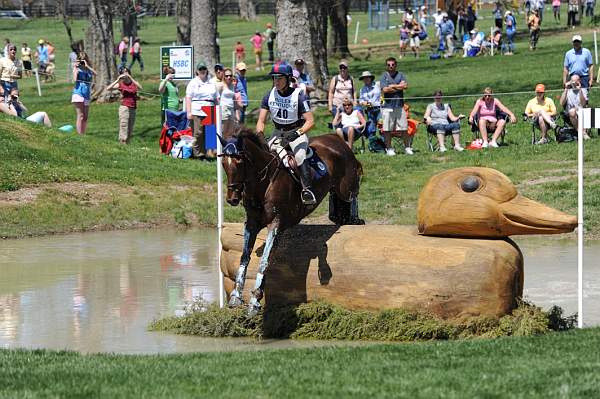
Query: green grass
{"x": 148, "y": 189}
{"x": 552, "y": 365}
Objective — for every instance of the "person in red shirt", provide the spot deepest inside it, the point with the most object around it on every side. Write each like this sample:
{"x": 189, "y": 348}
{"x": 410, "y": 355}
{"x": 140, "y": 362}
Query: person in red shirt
{"x": 128, "y": 88}
{"x": 240, "y": 52}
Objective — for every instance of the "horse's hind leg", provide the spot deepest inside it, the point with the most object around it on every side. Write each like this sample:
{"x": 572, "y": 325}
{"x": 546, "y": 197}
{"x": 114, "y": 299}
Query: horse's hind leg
{"x": 250, "y": 233}
{"x": 346, "y": 198}
{"x": 257, "y": 292}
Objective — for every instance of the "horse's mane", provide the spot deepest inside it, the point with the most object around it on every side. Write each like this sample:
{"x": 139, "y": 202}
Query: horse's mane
{"x": 249, "y": 134}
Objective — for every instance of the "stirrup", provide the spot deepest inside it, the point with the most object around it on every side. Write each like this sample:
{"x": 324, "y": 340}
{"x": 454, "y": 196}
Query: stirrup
{"x": 307, "y": 197}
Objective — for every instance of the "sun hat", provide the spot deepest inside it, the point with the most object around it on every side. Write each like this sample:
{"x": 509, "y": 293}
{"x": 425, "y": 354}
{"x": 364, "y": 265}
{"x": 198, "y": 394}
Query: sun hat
{"x": 508, "y": 12}
{"x": 366, "y": 74}
{"x": 540, "y": 88}
{"x": 577, "y": 38}
{"x": 41, "y": 41}
{"x": 241, "y": 66}
{"x": 344, "y": 63}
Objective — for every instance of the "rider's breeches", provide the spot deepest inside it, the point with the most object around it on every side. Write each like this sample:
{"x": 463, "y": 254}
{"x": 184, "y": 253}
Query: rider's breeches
{"x": 298, "y": 146}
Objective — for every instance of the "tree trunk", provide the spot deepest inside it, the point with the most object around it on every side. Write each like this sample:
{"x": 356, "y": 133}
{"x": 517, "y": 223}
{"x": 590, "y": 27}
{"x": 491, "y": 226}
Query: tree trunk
{"x": 247, "y": 10}
{"x": 339, "y": 28}
{"x": 129, "y": 28}
{"x": 204, "y": 31}
{"x": 61, "y": 13}
{"x": 100, "y": 44}
{"x": 299, "y": 36}
{"x": 184, "y": 25}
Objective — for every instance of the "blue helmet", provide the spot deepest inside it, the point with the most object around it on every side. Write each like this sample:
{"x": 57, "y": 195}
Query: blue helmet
{"x": 281, "y": 69}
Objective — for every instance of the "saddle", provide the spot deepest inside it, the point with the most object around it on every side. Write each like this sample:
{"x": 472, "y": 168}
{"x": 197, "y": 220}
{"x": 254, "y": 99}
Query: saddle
{"x": 317, "y": 165}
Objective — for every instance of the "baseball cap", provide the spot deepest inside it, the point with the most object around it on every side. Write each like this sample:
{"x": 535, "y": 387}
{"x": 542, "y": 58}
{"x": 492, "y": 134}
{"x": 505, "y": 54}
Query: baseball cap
{"x": 577, "y": 38}
{"x": 201, "y": 65}
{"x": 344, "y": 63}
{"x": 299, "y": 61}
{"x": 473, "y": 31}
{"x": 41, "y": 41}
{"x": 241, "y": 66}
{"x": 540, "y": 88}
{"x": 219, "y": 67}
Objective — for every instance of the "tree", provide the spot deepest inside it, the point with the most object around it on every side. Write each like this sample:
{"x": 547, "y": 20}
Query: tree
{"x": 100, "y": 45}
{"x": 299, "y": 36}
{"x": 184, "y": 23}
{"x": 338, "y": 44}
{"x": 247, "y": 10}
{"x": 204, "y": 31}
{"x": 61, "y": 13}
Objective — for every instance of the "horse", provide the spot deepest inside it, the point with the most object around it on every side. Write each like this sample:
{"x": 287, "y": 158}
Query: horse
{"x": 270, "y": 195}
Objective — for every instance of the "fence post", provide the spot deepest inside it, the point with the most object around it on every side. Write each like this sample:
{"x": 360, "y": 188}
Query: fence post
{"x": 37, "y": 81}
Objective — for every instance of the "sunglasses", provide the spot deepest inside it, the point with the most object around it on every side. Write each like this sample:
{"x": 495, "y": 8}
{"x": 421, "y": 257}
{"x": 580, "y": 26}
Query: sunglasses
{"x": 343, "y": 67}
{"x": 229, "y": 76}
{"x": 391, "y": 65}
{"x": 347, "y": 105}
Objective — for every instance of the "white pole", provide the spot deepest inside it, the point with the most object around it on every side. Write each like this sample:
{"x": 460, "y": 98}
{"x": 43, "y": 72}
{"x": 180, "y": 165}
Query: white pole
{"x": 492, "y": 39}
{"x": 37, "y": 81}
{"x": 596, "y": 46}
{"x": 356, "y": 34}
{"x": 219, "y": 200}
{"x": 580, "y": 218}
{"x": 233, "y": 61}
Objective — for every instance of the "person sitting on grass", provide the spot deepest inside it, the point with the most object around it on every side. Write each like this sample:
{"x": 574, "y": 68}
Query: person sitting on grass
{"x": 542, "y": 111}
{"x": 128, "y": 88}
{"x": 349, "y": 122}
{"x": 487, "y": 109}
{"x": 441, "y": 121}
{"x": 15, "y": 107}
{"x": 573, "y": 98}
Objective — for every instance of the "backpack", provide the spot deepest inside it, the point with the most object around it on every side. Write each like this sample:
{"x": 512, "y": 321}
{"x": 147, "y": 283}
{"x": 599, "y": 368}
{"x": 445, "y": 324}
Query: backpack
{"x": 376, "y": 144}
{"x": 565, "y": 134}
{"x": 422, "y": 34}
{"x": 273, "y": 35}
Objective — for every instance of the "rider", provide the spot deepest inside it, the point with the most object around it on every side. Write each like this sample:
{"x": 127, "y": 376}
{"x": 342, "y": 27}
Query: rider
{"x": 292, "y": 117}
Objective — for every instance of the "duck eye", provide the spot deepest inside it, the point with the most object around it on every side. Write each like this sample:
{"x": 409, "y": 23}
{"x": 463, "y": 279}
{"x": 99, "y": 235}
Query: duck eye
{"x": 470, "y": 184}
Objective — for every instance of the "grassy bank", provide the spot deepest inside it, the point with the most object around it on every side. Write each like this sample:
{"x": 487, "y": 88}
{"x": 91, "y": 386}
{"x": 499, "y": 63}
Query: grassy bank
{"x": 55, "y": 182}
{"x": 552, "y": 365}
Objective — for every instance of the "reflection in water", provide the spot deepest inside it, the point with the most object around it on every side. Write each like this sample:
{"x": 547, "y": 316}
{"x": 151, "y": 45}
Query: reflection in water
{"x": 97, "y": 292}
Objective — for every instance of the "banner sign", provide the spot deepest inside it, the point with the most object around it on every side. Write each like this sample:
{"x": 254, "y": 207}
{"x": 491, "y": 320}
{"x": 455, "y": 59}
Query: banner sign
{"x": 180, "y": 58}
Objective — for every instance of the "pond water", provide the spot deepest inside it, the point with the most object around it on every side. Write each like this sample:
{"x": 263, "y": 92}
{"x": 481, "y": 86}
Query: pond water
{"x": 97, "y": 292}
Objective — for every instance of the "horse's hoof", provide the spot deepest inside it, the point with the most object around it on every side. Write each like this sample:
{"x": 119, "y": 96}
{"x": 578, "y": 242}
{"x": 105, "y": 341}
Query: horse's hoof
{"x": 235, "y": 301}
{"x": 253, "y": 309}
{"x": 357, "y": 221}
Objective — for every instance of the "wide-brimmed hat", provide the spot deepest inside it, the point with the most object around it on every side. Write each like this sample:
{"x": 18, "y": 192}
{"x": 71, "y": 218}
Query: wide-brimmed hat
{"x": 576, "y": 38}
{"x": 366, "y": 74}
{"x": 241, "y": 66}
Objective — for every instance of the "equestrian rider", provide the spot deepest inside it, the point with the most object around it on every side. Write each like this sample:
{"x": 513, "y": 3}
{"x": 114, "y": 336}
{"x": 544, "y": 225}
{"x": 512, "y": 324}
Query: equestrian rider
{"x": 291, "y": 115}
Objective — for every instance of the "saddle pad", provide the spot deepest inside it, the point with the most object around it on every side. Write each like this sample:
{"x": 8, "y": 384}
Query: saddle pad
{"x": 317, "y": 164}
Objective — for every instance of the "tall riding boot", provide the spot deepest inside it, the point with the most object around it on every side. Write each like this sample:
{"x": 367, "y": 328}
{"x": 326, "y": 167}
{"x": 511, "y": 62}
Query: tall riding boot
{"x": 307, "y": 196}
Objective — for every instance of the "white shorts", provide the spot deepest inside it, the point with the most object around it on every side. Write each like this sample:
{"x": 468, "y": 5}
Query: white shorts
{"x": 299, "y": 148}
{"x": 415, "y": 41}
{"x": 76, "y": 98}
{"x": 37, "y": 117}
{"x": 394, "y": 119}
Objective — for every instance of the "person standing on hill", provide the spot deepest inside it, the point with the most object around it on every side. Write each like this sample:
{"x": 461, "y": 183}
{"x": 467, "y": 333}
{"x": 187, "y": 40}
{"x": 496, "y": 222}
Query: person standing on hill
{"x": 128, "y": 88}
{"x": 498, "y": 15}
{"x": 240, "y": 52}
{"x": 11, "y": 69}
{"x": 257, "y": 41}
{"x": 26, "y": 59}
{"x": 511, "y": 31}
{"x": 82, "y": 92}
{"x": 447, "y": 35}
{"x": 241, "y": 87}
{"x": 41, "y": 55}
{"x": 395, "y": 120}
{"x": 169, "y": 91}
{"x": 270, "y": 35}
{"x": 122, "y": 51}
{"x": 533, "y": 22}
{"x": 136, "y": 54}
{"x": 556, "y": 10}
{"x": 578, "y": 61}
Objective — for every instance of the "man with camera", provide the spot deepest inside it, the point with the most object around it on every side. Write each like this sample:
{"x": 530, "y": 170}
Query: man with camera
{"x": 573, "y": 98}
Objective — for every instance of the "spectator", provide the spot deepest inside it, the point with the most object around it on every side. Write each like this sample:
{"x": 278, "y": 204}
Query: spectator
{"x": 349, "y": 122}
{"x": 404, "y": 38}
{"x": 511, "y": 31}
{"x": 573, "y": 98}
{"x": 257, "y": 41}
{"x": 538, "y": 5}
{"x": 270, "y": 35}
{"x": 304, "y": 77}
{"x": 169, "y": 99}
{"x": 438, "y": 17}
{"x": 370, "y": 101}
{"x": 5, "y": 50}
{"x": 498, "y": 15}
{"x": 41, "y": 55}
{"x": 228, "y": 105}
{"x": 200, "y": 92}
{"x": 128, "y": 87}
{"x": 441, "y": 121}
{"x": 489, "y": 110}
{"x": 415, "y": 41}
{"x": 589, "y": 8}
{"x": 218, "y": 77}
{"x": 423, "y": 16}
{"x": 26, "y": 59}
{"x": 15, "y": 107}
{"x": 471, "y": 18}
{"x": 11, "y": 69}
{"x": 461, "y": 21}
{"x": 82, "y": 92}
{"x": 578, "y": 61}
{"x": 295, "y": 82}
{"x": 240, "y": 52}
{"x": 242, "y": 88}
{"x": 395, "y": 121}
{"x": 541, "y": 110}
{"x": 533, "y": 22}
{"x": 447, "y": 33}
{"x": 122, "y": 51}
{"x": 51, "y": 51}
{"x": 556, "y": 10}
{"x": 408, "y": 16}
{"x": 73, "y": 58}
{"x": 494, "y": 40}
{"x": 472, "y": 47}
{"x": 573, "y": 8}
{"x": 136, "y": 54}
{"x": 340, "y": 87}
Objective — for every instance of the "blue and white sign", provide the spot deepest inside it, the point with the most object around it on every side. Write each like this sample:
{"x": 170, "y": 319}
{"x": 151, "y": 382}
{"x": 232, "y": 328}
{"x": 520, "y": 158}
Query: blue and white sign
{"x": 180, "y": 58}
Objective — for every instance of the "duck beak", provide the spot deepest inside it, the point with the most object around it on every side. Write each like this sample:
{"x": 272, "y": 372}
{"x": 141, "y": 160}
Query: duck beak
{"x": 524, "y": 216}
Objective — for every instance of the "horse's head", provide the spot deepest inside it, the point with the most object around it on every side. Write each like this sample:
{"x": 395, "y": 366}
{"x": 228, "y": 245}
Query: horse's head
{"x": 235, "y": 164}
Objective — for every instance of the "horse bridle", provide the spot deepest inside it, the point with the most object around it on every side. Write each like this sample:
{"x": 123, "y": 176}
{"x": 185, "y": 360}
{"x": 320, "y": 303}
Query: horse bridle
{"x": 231, "y": 150}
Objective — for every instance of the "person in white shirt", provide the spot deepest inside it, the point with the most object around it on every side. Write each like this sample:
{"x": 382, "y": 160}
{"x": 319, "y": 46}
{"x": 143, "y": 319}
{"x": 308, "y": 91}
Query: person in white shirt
{"x": 573, "y": 98}
{"x": 349, "y": 122}
{"x": 474, "y": 43}
{"x": 200, "y": 92}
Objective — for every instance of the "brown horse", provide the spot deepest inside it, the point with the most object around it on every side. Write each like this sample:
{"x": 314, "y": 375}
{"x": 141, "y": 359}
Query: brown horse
{"x": 271, "y": 195}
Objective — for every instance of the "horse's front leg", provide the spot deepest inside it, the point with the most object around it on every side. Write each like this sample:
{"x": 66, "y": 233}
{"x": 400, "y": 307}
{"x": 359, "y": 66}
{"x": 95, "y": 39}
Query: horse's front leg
{"x": 258, "y": 291}
{"x": 250, "y": 233}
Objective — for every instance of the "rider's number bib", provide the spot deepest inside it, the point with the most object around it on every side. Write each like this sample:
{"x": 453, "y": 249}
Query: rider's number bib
{"x": 284, "y": 110}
